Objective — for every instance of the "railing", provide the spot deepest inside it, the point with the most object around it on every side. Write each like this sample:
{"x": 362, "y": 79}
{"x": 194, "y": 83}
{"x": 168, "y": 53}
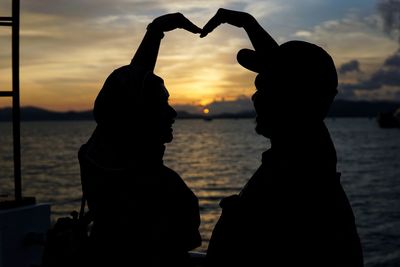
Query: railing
{"x": 13, "y": 22}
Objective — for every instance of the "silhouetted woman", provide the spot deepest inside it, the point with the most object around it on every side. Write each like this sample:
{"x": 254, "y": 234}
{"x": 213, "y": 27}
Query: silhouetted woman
{"x": 144, "y": 214}
{"x": 293, "y": 211}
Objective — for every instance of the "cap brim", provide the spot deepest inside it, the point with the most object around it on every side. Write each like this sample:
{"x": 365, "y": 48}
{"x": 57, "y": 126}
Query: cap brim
{"x": 249, "y": 59}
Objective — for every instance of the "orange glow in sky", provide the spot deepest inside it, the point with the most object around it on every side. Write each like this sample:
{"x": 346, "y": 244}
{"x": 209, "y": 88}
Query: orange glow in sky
{"x": 67, "y": 51}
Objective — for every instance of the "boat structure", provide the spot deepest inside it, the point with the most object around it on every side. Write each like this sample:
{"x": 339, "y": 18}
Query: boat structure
{"x": 23, "y": 222}
{"x": 389, "y": 119}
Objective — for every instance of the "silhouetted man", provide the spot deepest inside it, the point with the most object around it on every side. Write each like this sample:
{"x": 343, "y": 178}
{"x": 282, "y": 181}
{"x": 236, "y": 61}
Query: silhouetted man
{"x": 293, "y": 211}
{"x": 144, "y": 214}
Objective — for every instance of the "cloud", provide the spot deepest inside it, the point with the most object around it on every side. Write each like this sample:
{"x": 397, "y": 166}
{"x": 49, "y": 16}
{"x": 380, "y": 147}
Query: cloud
{"x": 240, "y": 104}
{"x": 68, "y": 47}
{"x": 351, "y": 37}
{"x": 357, "y": 42}
{"x": 385, "y": 81}
{"x": 88, "y": 9}
{"x": 377, "y": 80}
{"x": 353, "y": 65}
{"x": 382, "y": 77}
{"x": 390, "y": 12}
{"x": 265, "y": 9}
{"x": 303, "y": 34}
{"x": 393, "y": 60}
{"x": 201, "y": 70}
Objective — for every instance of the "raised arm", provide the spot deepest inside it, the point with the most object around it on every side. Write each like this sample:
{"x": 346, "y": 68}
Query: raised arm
{"x": 146, "y": 55}
{"x": 260, "y": 39}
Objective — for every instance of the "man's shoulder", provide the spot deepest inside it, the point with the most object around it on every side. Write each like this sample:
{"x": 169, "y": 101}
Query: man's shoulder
{"x": 175, "y": 184}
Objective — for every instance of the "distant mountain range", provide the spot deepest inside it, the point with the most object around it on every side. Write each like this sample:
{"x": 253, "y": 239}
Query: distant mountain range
{"x": 39, "y": 114}
{"x": 340, "y": 108}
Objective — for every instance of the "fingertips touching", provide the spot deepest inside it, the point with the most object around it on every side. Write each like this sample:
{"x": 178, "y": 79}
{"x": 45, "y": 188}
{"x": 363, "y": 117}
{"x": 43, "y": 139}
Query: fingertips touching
{"x": 190, "y": 26}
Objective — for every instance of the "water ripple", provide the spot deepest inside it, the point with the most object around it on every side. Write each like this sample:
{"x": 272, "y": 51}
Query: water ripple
{"x": 216, "y": 159}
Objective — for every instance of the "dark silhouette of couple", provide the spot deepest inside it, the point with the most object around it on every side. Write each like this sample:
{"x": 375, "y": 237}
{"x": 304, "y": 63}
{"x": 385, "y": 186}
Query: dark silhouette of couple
{"x": 292, "y": 212}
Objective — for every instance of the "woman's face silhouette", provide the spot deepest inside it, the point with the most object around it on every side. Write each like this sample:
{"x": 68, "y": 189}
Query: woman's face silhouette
{"x": 157, "y": 115}
{"x": 165, "y": 115}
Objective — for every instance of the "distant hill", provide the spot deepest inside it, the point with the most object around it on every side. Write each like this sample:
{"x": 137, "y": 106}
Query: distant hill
{"x": 346, "y": 108}
{"x": 39, "y": 114}
{"x": 340, "y": 108}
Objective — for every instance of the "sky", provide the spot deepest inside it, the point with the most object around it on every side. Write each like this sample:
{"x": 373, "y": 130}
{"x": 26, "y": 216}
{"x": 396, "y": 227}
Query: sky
{"x": 69, "y": 47}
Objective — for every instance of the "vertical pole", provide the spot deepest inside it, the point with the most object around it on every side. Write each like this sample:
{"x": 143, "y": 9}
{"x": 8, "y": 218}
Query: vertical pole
{"x": 16, "y": 102}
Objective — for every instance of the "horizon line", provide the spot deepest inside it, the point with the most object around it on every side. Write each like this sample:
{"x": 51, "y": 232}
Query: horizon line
{"x": 90, "y": 110}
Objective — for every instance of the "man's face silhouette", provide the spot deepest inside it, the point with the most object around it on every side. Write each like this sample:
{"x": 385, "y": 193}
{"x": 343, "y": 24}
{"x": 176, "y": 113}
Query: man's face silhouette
{"x": 265, "y": 105}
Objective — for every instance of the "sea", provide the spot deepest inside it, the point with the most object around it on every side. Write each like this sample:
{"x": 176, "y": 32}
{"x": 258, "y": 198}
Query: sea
{"x": 215, "y": 159}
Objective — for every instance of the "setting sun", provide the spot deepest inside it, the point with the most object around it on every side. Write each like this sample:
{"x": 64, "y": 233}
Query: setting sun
{"x": 206, "y": 111}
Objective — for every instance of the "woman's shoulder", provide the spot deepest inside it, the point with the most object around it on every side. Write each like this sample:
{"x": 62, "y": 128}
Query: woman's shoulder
{"x": 172, "y": 176}
{"x": 174, "y": 181}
